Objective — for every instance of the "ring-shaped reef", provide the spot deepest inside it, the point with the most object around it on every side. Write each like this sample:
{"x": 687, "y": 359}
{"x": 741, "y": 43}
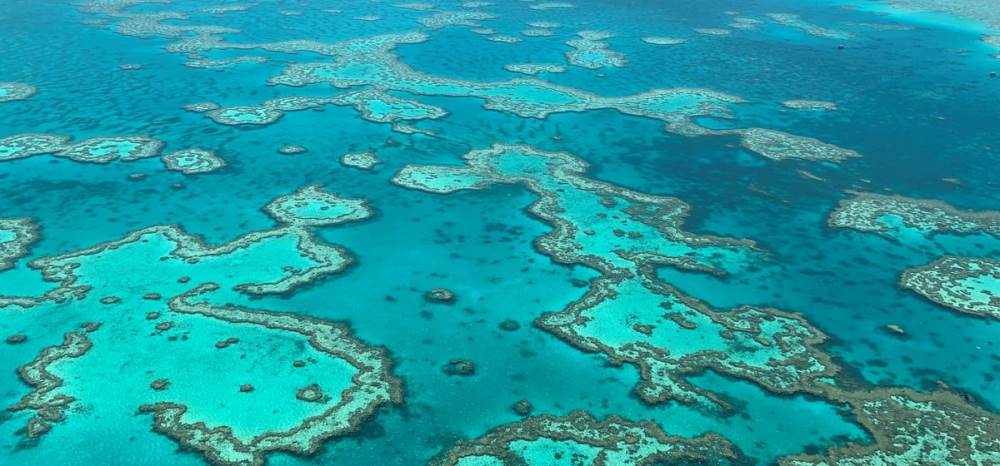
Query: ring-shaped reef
{"x": 266, "y": 113}
{"x": 193, "y": 161}
{"x": 10, "y": 91}
{"x": 590, "y": 51}
{"x": 158, "y": 351}
{"x": 374, "y": 105}
{"x": 363, "y": 384}
{"x": 108, "y": 149}
{"x": 93, "y": 150}
{"x": 179, "y": 250}
{"x": 17, "y": 234}
{"x": 366, "y": 160}
{"x": 965, "y": 284}
{"x": 381, "y": 107}
{"x": 24, "y": 145}
{"x": 625, "y": 236}
{"x": 885, "y": 214}
{"x": 578, "y": 438}
{"x": 311, "y": 206}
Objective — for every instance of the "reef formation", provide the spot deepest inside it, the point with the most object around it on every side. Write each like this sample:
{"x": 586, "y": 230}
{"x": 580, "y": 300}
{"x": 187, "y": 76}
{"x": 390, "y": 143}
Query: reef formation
{"x": 969, "y": 285}
{"x": 883, "y": 214}
{"x": 578, "y": 438}
{"x": 178, "y": 340}
{"x": 366, "y": 160}
{"x": 193, "y": 161}
{"x": 291, "y": 382}
{"x": 93, "y": 150}
{"x": 10, "y": 92}
{"x": 371, "y": 62}
{"x": 966, "y": 284}
{"x": 16, "y": 236}
{"x": 915, "y": 428}
{"x": 626, "y": 236}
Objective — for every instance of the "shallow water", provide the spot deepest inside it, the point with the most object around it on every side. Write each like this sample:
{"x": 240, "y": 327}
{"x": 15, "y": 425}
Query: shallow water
{"x": 627, "y": 237}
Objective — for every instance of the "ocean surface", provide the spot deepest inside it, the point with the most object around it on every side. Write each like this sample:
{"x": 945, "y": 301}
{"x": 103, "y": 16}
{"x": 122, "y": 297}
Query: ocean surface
{"x": 373, "y": 232}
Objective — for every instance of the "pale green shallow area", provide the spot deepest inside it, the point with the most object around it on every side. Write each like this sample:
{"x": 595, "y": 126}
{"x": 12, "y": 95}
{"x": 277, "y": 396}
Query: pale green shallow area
{"x": 193, "y": 161}
{"x": 532, "y": 98}
{"x": 241, "y": 116}
{"x": 188, "y": 162}
{"x": 312, "y": 206}
{"x": 93, "y": 150}
{"x": 525, "y": 97}
{"x": 480, "y": 461}
{"x": 15, "y": 91}
{"x": 314, "y": 209}
{"x": 381, "y": 107}
{"x": 383, "y": 110}
{"x": 257, "y": 369}
{"x": 556, "y": 453}
{"x": 982, "y": 288}
{"x": 626, "y": 314}
{"x": 558, "y": 270}
{"x": 25, "y": 145}
{"x": 261, "y": 358}
{"x": 966, "y": 284}
{"x": 103, "y": 149}
{"x": 900, "y": 216}
{"x": 580, "y": 439}
{"x": 262, "y": 262}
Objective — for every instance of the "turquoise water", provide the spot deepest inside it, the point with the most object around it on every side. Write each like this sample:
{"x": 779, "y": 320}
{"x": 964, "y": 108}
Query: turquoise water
{"x": 616, "y": 248}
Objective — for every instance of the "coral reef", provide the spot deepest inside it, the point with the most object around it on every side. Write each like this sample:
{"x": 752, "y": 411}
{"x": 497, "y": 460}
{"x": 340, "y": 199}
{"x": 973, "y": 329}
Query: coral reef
{"x": 880, "y": 213}
{"x": 965, "y": 284}
{"x": 16, "y": 236}
{"x": 10, "y": 92}
{"x": 580, "y": 438}
{"x": 193, "y": 161}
